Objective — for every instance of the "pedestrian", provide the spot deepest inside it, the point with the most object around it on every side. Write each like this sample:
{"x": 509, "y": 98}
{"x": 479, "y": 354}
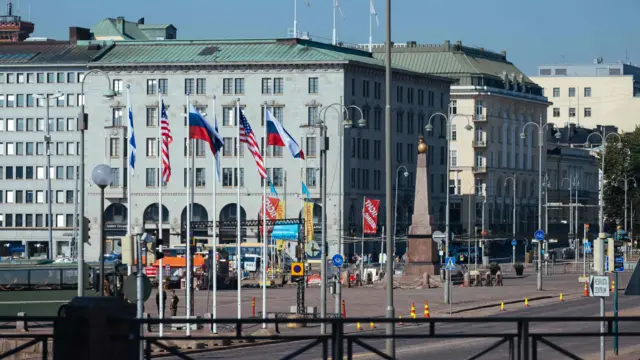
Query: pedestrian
{"x": 369, "y": 259}
{"x": 174, "y": 303}
{"x": 164, "y": 301}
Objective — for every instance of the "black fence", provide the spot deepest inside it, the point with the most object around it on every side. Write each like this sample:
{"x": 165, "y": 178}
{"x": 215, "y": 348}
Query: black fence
{"x": 516, "y": 333}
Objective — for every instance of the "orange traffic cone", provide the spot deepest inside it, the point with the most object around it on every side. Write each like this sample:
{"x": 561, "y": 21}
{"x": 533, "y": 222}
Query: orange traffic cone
{"x": 413, "y": 310}
{"x": 426, "y": 309}
{"x": 586, "y": 288}
{"x": 372, "y": 325}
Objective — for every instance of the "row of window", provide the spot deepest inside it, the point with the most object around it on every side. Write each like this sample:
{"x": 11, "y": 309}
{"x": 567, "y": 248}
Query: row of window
{"x": 37, "y": 220}
{"x": 41, "y": 78}
{"x": 36, "y": 100}
{"x": 36, "y": 196}
{"x": 31, "y": 124}
{"x": 37, "y": 172}
{"x": 38, "y": 148}
{"x": 572, "y": 112}
{"x": 572, "y": 92}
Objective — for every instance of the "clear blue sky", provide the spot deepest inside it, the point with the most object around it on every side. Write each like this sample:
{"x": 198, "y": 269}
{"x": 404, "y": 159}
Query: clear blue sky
{"x": 533, "y": 32}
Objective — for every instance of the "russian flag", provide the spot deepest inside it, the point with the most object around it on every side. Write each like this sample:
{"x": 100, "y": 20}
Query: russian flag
{"x": 199, "y": 128}
{"x": 278, "y": 136}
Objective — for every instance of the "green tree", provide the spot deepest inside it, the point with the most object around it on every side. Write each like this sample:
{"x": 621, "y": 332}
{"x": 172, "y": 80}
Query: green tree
{"x": 621, "y": 162}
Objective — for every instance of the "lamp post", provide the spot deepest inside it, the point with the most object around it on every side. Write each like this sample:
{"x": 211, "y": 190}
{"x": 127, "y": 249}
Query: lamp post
{"x": 101, "y": 176}
{"x": 626, "y": 189}
{"x": 449, "y": 119}
{"x": 546, "y": 185}
{"x": 513, "y": 178}
{"x": 346, "y": 123}
{"x": 47, "y": 141}
{"x": 82, "y": 126}
{"x": 395, "y": 206}
{"x": 601, "y": 235}
{"x": 541, "y": 128}
{"x": 390, "y": 345}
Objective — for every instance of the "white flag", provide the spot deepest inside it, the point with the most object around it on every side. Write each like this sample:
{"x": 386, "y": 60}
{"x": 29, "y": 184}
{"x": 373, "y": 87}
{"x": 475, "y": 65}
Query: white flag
{"x": 337, "y": 5}
{"x": 372, "y": 9}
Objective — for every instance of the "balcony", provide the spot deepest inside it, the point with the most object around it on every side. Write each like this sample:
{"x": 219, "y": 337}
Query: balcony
{"x": 479, "y": 143}
{"x": 480, "y": 118}
{"x": 479, "y": 169}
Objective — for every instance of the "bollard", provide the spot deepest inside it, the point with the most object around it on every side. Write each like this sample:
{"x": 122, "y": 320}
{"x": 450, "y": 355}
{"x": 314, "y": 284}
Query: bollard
{"x": 561, "y": 299}
{"x": 586, "y": 289}
{"x": 426, "y": 309}
{"x": 344, "y": 310}
{"x": 502, "y": 306}
{"x": 613, "y": 285}
{"x": 372, "y": 325}
{"x": 526, "y": 302}
{"x": 358, "y": 326}
{"x": 253, "y": 306}
{"x": 413, "y": 310}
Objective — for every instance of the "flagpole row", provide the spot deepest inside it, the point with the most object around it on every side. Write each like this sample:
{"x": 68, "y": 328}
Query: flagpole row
{"x": 264, "y": 224}
{"x": 188, "y": 219}
{"x": 129, "y": 202}
{"x": 238, "y": 218}
{"x": 214, "y": 253}
{"x": 160, "y": 181}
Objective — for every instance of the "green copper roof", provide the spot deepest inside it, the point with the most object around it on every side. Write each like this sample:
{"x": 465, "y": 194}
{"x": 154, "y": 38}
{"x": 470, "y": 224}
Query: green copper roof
{"x": 132, "y": 31}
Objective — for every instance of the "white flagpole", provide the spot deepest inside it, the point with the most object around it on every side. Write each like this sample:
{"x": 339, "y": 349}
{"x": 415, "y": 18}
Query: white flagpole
{"x": 129, "y": 202}
{"x": 160, "y": 178}
{"x": 188, "y": 235}
{"x": 370, "y": 36}
{"x": 214, "y": 261}
{"x": 238, "y": 219}
{"x": 295, "y": 18}
{"x": 334, "y": 39}
{"x": 264, "y": 225}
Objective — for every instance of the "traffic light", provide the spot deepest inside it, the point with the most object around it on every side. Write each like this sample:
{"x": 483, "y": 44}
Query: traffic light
{"x": 87, "y": 228}
{"x": 615, "y": 252}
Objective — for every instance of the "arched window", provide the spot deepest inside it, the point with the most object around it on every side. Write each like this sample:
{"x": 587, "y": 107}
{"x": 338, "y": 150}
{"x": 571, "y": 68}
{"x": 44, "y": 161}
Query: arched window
{"x": 151, "y": 214}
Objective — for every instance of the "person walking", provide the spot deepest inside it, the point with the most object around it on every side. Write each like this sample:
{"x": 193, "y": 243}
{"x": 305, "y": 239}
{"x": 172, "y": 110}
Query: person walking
{"x": 174, "y": 303}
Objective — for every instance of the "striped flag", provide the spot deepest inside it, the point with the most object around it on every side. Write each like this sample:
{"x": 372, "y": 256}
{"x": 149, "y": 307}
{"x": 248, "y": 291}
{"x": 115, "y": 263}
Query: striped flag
{"x": 132, "y": 137}
{"x": 247, "y": 137}
{"x": 166, "y": 138}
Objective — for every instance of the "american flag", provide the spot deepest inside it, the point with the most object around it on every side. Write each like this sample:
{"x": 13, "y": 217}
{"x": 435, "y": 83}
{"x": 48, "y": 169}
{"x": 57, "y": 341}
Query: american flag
{"x": 166, "y": 139}
{"x": 246, "y": 136}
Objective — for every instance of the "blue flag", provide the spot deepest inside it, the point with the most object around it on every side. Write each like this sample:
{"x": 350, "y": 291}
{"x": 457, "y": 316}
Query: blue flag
{"x": 217, "y": 154}
{"x": 305, "y": 191}
{"x": 272, "y": 188}
{"x": 132, "y": 137}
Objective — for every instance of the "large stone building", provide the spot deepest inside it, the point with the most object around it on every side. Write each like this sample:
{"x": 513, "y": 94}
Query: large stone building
{"x": 592, "y": 94}
{"x": 296, "y": 79}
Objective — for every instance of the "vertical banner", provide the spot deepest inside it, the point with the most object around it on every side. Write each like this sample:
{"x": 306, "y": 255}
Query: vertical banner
{"x": 370, "y": 216}
{"x": 280, "y": 212}
{"x": 308, "y": 220}
{"x": 271, "y": 205}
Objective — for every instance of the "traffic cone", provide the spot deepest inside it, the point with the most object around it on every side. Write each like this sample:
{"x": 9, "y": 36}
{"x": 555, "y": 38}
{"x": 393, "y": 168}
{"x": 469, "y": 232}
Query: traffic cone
{"x": 502, "y": 306}
{"x": 413, "y": 310}
{"x": 426, "y": 309}
{"x": 586, "y": 289}
{"x": 372, "y": 325}
{"x": 561, "y": 299}
{"x": 358, "y": 326}
{"x": 526, "y": 302}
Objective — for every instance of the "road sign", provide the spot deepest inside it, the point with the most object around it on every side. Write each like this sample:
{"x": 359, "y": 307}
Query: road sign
{"x": 539, "y": 235}
{"x": 587, "y": 247}
{"x": 438, "y": 236}
{"x": 619, "y": 263}
{"x": 337, "y": 260}
{"x": 599, "y": 286}
{"x": 130, "y": 287}
{"x": 297, "y": 269}
{"x": 167, "y": 270}
{"x": 450, "y": 264}
{"x": 513, "y": 242}
{"x": 151, "y": 271}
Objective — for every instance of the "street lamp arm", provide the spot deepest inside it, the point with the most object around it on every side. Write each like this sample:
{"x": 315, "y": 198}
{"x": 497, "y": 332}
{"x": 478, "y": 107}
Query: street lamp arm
{"x": 612, "y": 134}
{"x": 332, "y": 106}
{"x": 355, "y": 107}
{"x": 594, "y": 133}
{"x": 90, "y": 72}
{"x": 569, "y": 180}
{"x": 524, "y": 127}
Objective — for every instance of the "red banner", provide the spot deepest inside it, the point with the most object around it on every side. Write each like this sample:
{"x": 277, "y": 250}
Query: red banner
{"x": 271, "y": 204}
{"x": 370, "y": 216}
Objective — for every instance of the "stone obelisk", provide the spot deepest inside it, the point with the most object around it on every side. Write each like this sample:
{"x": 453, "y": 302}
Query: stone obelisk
{"x": 422, "y": 251}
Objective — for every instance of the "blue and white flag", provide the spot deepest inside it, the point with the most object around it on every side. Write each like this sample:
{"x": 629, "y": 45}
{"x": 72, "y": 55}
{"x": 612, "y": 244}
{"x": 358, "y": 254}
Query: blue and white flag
{"x": 305, "y": 190}
{"x": 132, "y": 137}
{"x": 272, "y": 188}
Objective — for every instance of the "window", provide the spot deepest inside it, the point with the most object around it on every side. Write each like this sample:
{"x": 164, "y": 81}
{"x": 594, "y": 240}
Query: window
{"x": 71, "y": 148}
{"x": 556, "y": 92}
{"x": 8, "y": 173}
{"x": 71, "y": 100}
{"x": 227, "y": 149}
{"x": 311, "y": 147}
{"x": 278, "y": 86}
{"x": 20, "y": 78}
{"x": 70, "y": 172}
{"x": 277, "y": 177}
{"x": 454, "y": 157}
{"x": 30, "y": 78}
{"x": 117, "y": 86}
{"x": 310, "y": 177}
{"x": 59, "y": 220}
{"x": 479, "y": 110}
{"x": 201, "y": 86}
{"x": 11, "y": 100}
{"x": 19, "y": 173}
{"x": 20, "y": 100}
{"x": 71, "y": 78}
{"x": 152, "y": 86}
{"x": 454, "y": 132}
{"x": 313, "y": 85}
{"x": 189, "y": 86}
{"x": 115, "y": 177}
{"x": 116, "y": 119}
{"x": 453, "y": 107}
{"x": 2, "y": 100}
{"x": 39, "y": 124}
{"x": 230, "y": 177}
{"x": 60, "y": 198}
{"x": 163, "y": 86}
{"x": 28, "y": 198}
{"x": 19, "y": 124}
{"x": 200, "y": 177}
{"x": 29, "y": 172}
{"x": 80, "y": 100}
{"x": 409, "y": 95}
{"x": 60, "y": 124}
{"x": 59, "y": 172}
{"x": 51, "y": 78}
{"x": 556, "y": 112}
{"x": 365, "y": 88}
{"x": 151, "y": 177}
{"x": 587, "y": 112}
{"x": 312, "y": 115}
{"x": 239, "y": 86}
{"x": 40, "y": 148}
{"x": 399, "y": 92}
{"x": 227, "y": 86}
{"x": 152, "y": 147}
{"x": 572, "y": 92}
{"x": 152, "y": 116}
{"x": 60, "y": 78}
{"x": 40, "y": 78}
{"x": 399, "y": 122}
{"x": 587, "y": 92}
{"x": 399, "y": 152}
{"x": 266, "y": 86}
{"x": 572, "y": 112}
{"x": 29, "y": 100}
{"x": 40, "y": 197}
{"x": 10, "y": 149}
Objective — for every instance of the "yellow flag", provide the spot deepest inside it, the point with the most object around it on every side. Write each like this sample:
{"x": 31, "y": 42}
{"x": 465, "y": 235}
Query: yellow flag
{"x": 308, "y": 220}
{"x": 280, "y": 211}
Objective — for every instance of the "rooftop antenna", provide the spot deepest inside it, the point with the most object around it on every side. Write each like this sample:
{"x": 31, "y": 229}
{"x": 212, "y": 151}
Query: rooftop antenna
{"x": 9, "y": 8}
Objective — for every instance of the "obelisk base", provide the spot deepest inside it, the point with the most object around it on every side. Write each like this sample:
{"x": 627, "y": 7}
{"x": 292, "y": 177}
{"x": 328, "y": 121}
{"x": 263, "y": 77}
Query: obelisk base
{"x": 422, "y": 256}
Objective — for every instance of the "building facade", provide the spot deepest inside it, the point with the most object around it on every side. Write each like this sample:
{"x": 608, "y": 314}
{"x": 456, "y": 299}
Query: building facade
{"x": 28, "y": 71}
{"x": 497, "y": 100}
{"x": 299, "y": 81}
{"x": 592, "y": 94}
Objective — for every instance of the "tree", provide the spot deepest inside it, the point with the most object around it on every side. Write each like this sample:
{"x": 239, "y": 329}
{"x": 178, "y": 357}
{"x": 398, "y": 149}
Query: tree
{"x": 621, "y": 163}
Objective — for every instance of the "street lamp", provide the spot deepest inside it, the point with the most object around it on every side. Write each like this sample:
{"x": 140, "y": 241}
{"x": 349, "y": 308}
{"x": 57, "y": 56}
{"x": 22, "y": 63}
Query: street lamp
{"x": 346, "y": 123}
{"x": 395, "y": 207}
{"x": 101, "y": 176}
{"x": 82, "y": 126}
{"x": 573, "y": 185}
{"x": 541, "y": 128}
{"x": 513, "y": 178}
{"x": 47, "y": 141}
{"x": 390, "y": 344}
{"x": 449, "y": 119}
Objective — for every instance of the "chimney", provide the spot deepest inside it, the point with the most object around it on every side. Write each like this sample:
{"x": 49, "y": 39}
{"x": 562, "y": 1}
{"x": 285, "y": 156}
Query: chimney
{"x": 141, "y": 21}
{"x": 78, "y": 34}
{"x": 120, "y": 24}
{"x": 504, "y": 53}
